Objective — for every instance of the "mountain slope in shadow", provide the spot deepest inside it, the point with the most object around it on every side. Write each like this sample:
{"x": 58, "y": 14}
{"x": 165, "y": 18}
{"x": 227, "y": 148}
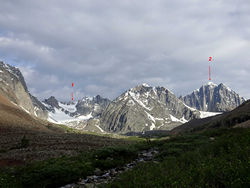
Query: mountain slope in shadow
{"x": 238, "y": 117}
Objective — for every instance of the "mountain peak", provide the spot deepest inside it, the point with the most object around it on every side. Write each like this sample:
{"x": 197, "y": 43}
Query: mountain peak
{"x": 213, "y": 98}
{"x": 145, "y": 85}
{"x": 52, "y": 102}
{"x": 212, "y": 84}
{"x": 145, "y": 108}
{"x": 51, "y": 98}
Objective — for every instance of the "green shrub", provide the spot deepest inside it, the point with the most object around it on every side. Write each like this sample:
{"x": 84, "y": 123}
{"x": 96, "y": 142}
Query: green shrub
{"x": 196, "y": 161}
{"x": 24, "y": 142}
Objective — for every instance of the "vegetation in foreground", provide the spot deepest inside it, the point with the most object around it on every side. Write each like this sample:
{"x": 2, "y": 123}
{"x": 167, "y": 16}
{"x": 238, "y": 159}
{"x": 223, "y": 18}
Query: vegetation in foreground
{"x": 216, "y": 158}
{"x": 60, "y": 171}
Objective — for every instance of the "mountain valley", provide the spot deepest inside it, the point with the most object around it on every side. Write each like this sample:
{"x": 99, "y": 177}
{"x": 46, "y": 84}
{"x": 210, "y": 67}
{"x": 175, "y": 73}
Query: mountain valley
{"x": 76, "y": 143}
{"x": 142, "y": 108}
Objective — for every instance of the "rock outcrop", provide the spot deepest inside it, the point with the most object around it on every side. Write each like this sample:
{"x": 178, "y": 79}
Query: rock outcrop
{"x": 13, "y": 86}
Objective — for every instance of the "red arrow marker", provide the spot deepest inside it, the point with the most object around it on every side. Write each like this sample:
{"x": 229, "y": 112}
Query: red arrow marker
{"x": 72, "y": 92}
{"x": 210, "y": 59}
{"x": 209, "y": 73}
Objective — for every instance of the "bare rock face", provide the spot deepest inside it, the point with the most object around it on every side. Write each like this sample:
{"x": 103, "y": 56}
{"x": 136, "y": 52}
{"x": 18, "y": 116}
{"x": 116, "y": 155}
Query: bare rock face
{"x": 213, "y": 98}
{"x": 94, "y": 105}
{"x": 52, "y": 102}
{"x": 13, "y": 86}
{"x": 145, "y": 108}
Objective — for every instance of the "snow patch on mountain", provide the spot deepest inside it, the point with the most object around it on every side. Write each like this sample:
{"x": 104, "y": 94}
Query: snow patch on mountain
{"x": 183, "y": 120}
{"x": 192, "y": 109}
{"x": 174, "y": 119}
{"x": 87, "y": 99}
{"x": 25, "y": 109}
{"x": 99, "y": 128}
{"x": 136, "y": 98}
{"x": 211, "y": 84}
{"x": 58, "y": 116}
{"x": 152, "y": 126}
{"x": 208, "y": 114}
{"x": 145, "y": 85}
{"x": 150, "y": 116}
{"x": 131, "y": 103}
{"x": 69, "y": 107}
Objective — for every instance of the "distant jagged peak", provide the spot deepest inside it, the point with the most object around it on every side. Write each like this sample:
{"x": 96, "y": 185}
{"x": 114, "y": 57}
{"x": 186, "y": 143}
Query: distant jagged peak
{"x": 52, "y": 101}
{"x": 52, "y": 98}
{"x": 213, "y": 98}
{"x": 143, "y": 92}
{"x": 139, "y": 89}
{"x": 145, "y": 85}
{"x": 87, "y": 98}
{"x": 211, "y": 84}
{"x": 67, "y": 102}
{"x": 221, "y": 85}
{"x": 99, "y": 99}
{"x": 146, "y": 89}
{"x": 95, "y": 99}
{"x": 142, "y": 86}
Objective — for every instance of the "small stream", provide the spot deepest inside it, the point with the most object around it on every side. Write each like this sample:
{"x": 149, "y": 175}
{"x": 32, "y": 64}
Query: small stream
{"x": 107, "y": 176}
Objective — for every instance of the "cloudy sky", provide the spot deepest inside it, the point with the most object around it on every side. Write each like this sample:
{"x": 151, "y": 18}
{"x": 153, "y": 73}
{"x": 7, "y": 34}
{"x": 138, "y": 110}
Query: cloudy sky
{"x": 108, "y": 46}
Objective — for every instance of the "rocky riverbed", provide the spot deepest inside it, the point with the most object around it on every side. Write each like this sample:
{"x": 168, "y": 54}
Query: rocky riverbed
{"x": 101, "y": 177}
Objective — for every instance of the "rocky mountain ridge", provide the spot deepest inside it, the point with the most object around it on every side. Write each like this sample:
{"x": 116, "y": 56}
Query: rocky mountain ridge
{"x": 145, "y": 108}
{"x": 77, "y": 114}
{"x": 213, "y": 98}
{"x": 14, "y": 88}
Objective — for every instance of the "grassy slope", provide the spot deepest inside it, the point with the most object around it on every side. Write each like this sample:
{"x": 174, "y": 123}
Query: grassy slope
{"x": 215, "y": 158}
{"x": 190, "y": 160}
{"x": 60, "y": 171}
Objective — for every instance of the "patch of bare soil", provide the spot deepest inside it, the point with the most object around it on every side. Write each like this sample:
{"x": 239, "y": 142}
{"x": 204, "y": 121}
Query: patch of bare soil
{"x": 10, "y": 163}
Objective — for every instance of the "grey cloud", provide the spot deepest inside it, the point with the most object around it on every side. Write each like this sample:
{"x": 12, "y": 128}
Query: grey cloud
{"x": 105, "y": 47}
